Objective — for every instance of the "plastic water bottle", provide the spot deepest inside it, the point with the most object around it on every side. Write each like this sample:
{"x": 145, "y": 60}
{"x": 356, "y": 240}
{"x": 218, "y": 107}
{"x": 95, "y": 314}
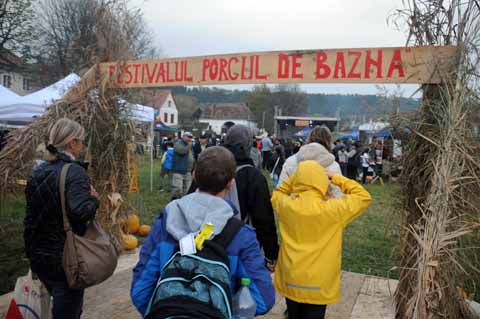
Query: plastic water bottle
{"x": 244, "y": 307}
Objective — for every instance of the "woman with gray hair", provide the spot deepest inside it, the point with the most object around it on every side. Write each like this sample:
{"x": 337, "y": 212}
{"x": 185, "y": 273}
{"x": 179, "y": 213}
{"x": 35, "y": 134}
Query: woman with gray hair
{"x": 44, "y": 233}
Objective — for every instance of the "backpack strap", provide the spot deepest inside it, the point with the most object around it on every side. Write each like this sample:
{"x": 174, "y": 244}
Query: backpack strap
{"x": 239, "y": 168}
{"x": 229, "y": 232}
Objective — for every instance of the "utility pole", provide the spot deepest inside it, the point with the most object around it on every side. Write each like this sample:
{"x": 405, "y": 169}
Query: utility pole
{"x": 275, "y": 112}
{"x": 263, "y": 121}
{"x": 338, "y": 118}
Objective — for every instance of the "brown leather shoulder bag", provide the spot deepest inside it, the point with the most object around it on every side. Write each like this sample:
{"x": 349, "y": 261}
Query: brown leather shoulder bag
{"x": 90, "y": 259}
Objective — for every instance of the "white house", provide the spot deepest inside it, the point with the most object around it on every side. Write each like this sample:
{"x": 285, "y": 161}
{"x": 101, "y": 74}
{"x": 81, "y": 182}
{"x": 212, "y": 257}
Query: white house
{"x": 219, "y": 115}
{"x": 165, "y": 107}
{"x": 13, "y": 78}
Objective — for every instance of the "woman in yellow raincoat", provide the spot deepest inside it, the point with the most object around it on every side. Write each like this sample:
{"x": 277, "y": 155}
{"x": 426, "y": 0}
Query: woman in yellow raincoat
{"x": 311, "y": 227}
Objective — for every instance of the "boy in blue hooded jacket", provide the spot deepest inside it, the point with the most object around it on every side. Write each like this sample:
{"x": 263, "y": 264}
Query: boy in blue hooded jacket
{"x": 214, "y": 175}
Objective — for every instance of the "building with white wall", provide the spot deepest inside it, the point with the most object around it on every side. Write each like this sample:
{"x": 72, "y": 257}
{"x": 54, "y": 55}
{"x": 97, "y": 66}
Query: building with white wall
{"x": 219, "y": 115}
{"x": 165, "y": 107}
{"x": 14, "y": 77}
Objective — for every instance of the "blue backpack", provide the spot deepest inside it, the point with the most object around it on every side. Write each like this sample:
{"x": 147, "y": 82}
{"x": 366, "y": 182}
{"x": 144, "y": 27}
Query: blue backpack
{"x": 168, "y": 163}
{"x": 196, "y": 285}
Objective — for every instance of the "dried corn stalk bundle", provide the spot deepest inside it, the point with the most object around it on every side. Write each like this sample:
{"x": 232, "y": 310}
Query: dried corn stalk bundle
{"x": 109, "y": 131}
{"x": 441, "y": 171}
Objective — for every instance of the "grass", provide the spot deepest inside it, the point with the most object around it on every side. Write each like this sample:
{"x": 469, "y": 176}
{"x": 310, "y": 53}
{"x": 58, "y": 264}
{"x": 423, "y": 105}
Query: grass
{"x": 13, "y": 262}
{"x": 370, "y": 246}
{"x": 367, "y": 248}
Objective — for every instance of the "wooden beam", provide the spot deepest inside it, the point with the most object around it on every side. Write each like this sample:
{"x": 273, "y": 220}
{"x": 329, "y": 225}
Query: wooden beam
{"x": 367, "y": 65}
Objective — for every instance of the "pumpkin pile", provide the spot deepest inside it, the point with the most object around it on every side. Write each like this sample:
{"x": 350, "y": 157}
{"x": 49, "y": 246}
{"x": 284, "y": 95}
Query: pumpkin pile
{"x": 129, "y": 227}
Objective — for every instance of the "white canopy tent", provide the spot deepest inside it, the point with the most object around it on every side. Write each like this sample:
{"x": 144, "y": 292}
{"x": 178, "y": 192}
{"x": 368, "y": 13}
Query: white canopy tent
{"x": 13, "y": 112}
{"x": 7, "y": 95}
{"x": 16, "y": 110}
{"x": 24, "y": 109}
{"x": 144, "y": 114}
{"x": 51, "y": 93}
{"x": 373, "y": 126}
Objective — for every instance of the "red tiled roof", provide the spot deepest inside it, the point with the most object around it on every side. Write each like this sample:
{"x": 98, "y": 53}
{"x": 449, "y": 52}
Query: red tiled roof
{"x": 227, "y": 111}
{"x": 157, "y": 98}
{"x": 7, "y": 57}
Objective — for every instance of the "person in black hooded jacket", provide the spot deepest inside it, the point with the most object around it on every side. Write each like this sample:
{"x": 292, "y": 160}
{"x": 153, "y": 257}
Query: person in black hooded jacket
{"x": 44, "y": 234}
{"x": 253, "y": 192}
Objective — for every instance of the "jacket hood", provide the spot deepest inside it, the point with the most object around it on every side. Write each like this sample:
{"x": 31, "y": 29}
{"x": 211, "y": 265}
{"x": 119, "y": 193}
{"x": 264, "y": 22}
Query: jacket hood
{"x": 190, "y": 213}
{"x": 239, "y": 141}
{"x": 310, "y": 176}
{"x": 316, "y": 152}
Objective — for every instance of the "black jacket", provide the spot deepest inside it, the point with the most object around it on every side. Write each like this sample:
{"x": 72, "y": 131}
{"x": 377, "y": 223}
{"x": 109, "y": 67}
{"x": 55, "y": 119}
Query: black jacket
{"x": 43, "y": 224}
{"x": 197, "y": 149}
{"x": 254, "y": 199}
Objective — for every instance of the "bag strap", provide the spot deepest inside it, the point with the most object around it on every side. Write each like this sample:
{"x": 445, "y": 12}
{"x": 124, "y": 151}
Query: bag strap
{"x": 63, "y": 178}
{"x": 276, "y": 164}
{"x": 228, "y": 233}
{"x": 246, "y": 220}
{"x": 239, "y": 168}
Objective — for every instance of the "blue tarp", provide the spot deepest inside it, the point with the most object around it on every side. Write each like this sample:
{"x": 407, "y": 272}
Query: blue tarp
{"x": 352, "y": 136}
{"x": 159, "y": 126}
{"x": 303, "y": 133}
{"x": 384, "y": 133}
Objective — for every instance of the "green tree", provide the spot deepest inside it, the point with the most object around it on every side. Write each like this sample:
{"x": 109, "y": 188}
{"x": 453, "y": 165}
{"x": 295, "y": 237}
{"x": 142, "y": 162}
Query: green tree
{"x": 260, "y": 102}
{"x": 186, "y": 105}
{"x": 290, "y": 99}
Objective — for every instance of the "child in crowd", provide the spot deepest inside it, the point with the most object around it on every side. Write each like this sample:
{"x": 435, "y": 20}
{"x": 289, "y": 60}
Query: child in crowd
{"x": 157, "y": 289}
{"x": 279, "y": 160}
{"x": 365, "y": 160}
{"x": 343, "y": 160}
{"x": 167, "y": 164}
{"x": 311, "y": 228}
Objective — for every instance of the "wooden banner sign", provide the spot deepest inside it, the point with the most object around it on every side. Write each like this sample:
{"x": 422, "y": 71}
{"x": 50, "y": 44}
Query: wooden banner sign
{"x": 372, "y": 65}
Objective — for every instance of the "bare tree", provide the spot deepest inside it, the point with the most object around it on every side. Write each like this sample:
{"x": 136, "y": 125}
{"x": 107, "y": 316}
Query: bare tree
{"x": 15, "y": 28}
{"x": 75, "y": 34}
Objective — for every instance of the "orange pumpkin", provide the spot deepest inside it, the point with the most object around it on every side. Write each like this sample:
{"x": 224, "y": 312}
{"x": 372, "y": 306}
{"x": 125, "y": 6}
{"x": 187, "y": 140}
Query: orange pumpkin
{"x": 129, "y": 242}
{"x": 144, "y": 230}
{"x": 133, "y": 223}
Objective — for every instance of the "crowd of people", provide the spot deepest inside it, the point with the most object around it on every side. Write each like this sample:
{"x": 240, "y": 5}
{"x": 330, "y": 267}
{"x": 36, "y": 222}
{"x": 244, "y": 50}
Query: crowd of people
{"x": 219, "y": 229}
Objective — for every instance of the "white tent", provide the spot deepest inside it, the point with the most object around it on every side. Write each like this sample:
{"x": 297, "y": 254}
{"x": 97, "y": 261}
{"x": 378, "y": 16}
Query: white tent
{"x": 51, "y": 93}
{"x": 145, "y": 114}
{"x": 142, "y": 113}
{"x": 14, "y": 108}
{"x": 373, "y": 126}
{"x": 7, "y": 96}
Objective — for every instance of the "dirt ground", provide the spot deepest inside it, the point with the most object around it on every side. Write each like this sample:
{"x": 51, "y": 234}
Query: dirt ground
{"x": 363, "y": 297}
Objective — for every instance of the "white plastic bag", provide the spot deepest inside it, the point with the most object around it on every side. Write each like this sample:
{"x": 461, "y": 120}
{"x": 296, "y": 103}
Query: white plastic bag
{"x": 32, "y": 298}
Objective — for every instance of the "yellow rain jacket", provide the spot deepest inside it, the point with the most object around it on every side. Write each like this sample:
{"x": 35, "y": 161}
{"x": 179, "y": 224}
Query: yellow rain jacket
{"x": 311, "y": 228}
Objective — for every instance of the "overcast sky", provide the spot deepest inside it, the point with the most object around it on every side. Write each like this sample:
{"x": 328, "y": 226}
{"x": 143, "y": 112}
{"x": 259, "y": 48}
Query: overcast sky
{"x": 202, "y": 27}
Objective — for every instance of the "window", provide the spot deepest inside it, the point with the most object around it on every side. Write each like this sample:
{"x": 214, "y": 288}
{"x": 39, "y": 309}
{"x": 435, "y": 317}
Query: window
{"x": 169, "y": 103}
{"x": 172, "y": 118}
{"x": 7, "y": 81}
{"x": 165, "y": 117}
{"x": 26, "y": 85}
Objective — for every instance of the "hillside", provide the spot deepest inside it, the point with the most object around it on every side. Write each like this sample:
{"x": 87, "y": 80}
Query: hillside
{"x": 318, "y": 103}
{"x": 328, "y": 104}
